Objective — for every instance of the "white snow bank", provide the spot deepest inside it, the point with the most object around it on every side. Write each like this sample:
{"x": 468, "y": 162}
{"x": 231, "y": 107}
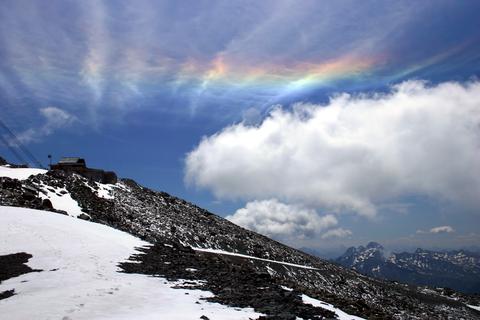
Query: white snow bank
{"x": 80, "y": 278}
{"x": 474, "y": 307}
{"x": 19, "y": 173}
{"x": 317, "y": 303}
{"x": 253, "y": 258}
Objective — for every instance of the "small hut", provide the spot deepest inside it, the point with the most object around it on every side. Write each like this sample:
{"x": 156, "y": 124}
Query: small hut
{"x": 79, "y": 166}
{"x": 69, "y": 162}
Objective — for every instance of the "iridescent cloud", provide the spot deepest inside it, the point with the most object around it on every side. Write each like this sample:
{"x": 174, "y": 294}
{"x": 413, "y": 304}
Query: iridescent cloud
{"x": 214, "y": 58}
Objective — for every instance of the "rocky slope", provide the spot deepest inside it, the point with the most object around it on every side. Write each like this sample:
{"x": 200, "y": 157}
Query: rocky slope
{"x": 457, "y": 269}
{"x": 260, "y": 263}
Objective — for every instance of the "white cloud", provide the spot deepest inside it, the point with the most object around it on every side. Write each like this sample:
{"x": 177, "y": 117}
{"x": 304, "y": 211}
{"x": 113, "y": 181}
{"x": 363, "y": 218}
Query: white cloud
{"x": 337, "y": 233}
{"x": 436, "y": 230}
{"x": 442, "y": 229}
{"x": 279, "y": 220}
{"x": 353, "y": 154}
{"x": 55, "y": 118}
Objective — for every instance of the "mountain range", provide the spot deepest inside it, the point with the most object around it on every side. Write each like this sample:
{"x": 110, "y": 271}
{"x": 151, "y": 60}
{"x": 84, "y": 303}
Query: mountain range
{"x": 456, "y": 269}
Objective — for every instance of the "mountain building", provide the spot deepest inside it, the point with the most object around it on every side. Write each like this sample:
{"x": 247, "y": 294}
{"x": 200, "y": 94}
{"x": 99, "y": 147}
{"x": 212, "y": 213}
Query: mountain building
{"x": 79, "y": 166}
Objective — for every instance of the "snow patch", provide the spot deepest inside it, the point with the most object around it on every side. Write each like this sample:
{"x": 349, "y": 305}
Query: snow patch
{"x": 105, "y": 190}
{"x": 61, "y": 200}
{"x": 19, "y": 173}
{"x": 317, "y": 303}
{"x": 122, "y": 186}
{"x": 86, "y": 283}
{"x": 474, "y": 307}
{"x": 271, "y": 271}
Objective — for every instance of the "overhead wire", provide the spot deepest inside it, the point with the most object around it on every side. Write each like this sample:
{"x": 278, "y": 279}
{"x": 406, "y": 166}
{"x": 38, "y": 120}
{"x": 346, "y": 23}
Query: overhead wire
{"x": 17, "y": 143}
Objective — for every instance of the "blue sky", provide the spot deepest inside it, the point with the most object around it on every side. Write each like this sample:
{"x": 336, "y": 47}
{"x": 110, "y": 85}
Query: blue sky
{"x": 227, "y": 104}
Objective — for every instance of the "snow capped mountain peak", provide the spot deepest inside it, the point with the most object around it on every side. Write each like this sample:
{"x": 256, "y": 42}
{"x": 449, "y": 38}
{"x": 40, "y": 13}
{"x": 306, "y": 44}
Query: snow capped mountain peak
{"x": 374, "y": 245}
{"x": 457, "y": 269}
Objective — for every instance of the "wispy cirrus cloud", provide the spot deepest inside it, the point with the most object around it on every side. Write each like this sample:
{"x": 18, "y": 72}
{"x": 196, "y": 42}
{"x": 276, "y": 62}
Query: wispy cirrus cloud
{"x": 98, "y": 58}
{"x": 54, "y": 119}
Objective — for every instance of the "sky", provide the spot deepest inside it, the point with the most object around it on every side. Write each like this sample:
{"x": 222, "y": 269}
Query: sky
{"x": 322, "y": 124}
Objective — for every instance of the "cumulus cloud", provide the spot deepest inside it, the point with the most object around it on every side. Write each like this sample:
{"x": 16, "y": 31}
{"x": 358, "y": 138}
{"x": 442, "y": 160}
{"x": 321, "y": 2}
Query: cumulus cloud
{"x": 336, "y": 233}
{"x": 55, "y": 118}
{"x": 279, "y": 220}
{"x": 353, "y": 154}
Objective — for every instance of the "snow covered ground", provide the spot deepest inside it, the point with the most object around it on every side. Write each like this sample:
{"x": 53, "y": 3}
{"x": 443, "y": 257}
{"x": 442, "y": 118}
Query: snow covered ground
{"x": 80, "y": 279}
{"x": 19, "y": 173}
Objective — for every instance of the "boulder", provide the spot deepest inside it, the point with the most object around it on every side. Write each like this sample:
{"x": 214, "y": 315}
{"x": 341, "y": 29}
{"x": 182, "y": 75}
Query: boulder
{"x": 83, "y": 216}
{"x": 47, "y": 204}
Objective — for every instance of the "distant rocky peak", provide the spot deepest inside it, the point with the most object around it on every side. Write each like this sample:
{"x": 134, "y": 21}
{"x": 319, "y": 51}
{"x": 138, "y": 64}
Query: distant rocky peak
{"x": 350, "y": 251}
{"x": 420, "y": 250}
{"x": 372, "y": 255}
{"x": 374, "y": 245}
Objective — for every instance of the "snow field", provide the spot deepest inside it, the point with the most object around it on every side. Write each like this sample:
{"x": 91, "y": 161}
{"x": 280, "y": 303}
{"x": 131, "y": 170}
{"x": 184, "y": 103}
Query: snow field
{"x": 19, "y": 173}
{"x": 80, "y": 279}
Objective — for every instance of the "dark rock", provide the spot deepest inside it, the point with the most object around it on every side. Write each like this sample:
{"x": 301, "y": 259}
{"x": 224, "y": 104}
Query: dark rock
{"x": 47, "y": 204}
{"x": 28, "y": 196}
{"x": 7, "y": 294}
{"x": 9, "y": 183}
{"x": 83, "y": 216}
{"x": 14, "y": 265}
